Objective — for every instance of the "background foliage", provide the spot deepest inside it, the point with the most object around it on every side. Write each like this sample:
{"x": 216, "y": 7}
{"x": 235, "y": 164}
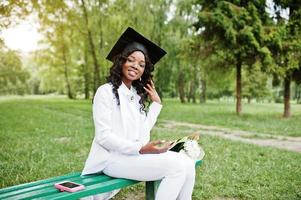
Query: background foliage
{"x": 242, "y": 50}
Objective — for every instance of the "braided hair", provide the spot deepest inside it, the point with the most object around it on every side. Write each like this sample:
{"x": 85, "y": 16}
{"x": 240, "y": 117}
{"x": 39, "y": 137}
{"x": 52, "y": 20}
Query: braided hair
{"x": 115, "y": 77}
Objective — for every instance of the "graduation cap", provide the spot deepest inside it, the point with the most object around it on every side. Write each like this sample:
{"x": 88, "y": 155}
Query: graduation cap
{"x": 132, "y": 40}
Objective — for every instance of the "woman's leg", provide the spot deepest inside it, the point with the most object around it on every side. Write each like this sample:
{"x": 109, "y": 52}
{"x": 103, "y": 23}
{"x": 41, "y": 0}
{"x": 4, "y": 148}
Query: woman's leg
{"x": 170, "y": 167}
{"x": 187, "y": 189}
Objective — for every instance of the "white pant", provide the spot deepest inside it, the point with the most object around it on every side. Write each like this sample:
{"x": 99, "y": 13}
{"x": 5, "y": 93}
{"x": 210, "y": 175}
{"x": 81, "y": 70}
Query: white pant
{"x": 176, "y": 171}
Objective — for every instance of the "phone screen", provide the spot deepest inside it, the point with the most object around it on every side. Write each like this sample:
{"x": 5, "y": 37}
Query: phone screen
{"x": 69, "y": 185}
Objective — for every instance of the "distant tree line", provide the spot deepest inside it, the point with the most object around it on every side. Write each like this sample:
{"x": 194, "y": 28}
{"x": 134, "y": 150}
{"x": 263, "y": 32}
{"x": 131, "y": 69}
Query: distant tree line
{"x": 233, "y": 50}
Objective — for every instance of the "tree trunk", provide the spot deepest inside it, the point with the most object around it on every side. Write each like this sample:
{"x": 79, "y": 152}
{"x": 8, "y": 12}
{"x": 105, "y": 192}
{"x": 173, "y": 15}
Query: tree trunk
{"x": 66, "y": 73}
{"x": 69, "y": 92}
{"x": 298, "y": 93}
{"x": 287, "y": 107}
{"x": 249, "y": 100}
{"x": 238, "y": 88}
{"x": 193, "y": 84}
{"x": 189, "y": 96}
{"x": 181, "y": 87}
{"x": 65, "y": 61}
{"x": 101, "y": 40}
{"x": 192, "y": 91}
{"x": 86, "y": 74}
{"x": 96, "y": 80}
{"x": 203, "y": 91}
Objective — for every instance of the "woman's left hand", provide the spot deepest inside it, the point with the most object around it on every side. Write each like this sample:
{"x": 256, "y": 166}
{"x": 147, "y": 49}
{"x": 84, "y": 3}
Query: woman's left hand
{"x": 152, "y": 93}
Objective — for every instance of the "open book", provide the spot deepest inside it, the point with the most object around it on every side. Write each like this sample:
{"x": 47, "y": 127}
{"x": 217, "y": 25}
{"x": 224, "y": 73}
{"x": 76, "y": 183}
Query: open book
{"x": 178, "y": 144}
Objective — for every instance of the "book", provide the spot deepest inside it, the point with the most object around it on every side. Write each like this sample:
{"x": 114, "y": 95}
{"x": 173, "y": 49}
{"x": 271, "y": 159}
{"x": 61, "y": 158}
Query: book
{"x": 178, "y": 144}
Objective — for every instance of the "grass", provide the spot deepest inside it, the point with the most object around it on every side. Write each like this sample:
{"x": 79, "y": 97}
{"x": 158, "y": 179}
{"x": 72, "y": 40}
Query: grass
{"x": 243, "y": 171}
{"x": 260, "y": 118}
{"x": 42, "y": 137}
{"x": 234, "y": 170}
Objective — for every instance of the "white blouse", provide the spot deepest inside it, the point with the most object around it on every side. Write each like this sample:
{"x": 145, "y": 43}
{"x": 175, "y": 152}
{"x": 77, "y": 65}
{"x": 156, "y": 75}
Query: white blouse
{"x": 118, "y": 128}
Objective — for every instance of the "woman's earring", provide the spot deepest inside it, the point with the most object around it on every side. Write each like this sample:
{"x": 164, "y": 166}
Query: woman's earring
{"x": 140, "y": 79}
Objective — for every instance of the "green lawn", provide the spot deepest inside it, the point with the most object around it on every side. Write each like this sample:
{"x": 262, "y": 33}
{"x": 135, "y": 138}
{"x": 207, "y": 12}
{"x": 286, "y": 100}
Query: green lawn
{"x": 261, "y": 118}
{"x": 41, "y": 138}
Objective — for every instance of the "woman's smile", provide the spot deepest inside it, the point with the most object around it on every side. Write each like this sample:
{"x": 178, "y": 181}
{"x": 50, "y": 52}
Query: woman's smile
{"x": 132, "y": 72}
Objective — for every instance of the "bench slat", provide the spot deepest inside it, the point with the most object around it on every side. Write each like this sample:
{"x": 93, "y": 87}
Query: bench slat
{"x": 198, "y": 162}
{"x": 26, "y": 185}
{"x": 93, "y": 189}
{"x": 49, "y": 188}
{"x": 16, "y": 193}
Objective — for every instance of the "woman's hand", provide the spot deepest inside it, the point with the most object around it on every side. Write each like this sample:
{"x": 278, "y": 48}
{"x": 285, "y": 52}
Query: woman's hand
{"x": 154, "y": 148}
{"x": 152, "y": 93}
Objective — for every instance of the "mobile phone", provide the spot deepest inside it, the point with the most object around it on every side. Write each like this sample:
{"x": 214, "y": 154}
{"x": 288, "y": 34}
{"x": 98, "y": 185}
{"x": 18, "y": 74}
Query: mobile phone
{"x": 69, "y": 186}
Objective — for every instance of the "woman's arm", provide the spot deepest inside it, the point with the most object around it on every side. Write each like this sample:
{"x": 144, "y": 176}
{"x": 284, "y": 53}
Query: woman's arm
{"x": 153, "y": 113}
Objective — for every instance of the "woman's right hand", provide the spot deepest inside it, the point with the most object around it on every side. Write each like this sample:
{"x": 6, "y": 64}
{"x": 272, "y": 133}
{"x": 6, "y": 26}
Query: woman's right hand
{"x": 155, "y": 147}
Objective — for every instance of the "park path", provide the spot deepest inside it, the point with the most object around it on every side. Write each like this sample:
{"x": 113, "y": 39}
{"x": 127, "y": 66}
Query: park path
{"x": 261, "y": 139}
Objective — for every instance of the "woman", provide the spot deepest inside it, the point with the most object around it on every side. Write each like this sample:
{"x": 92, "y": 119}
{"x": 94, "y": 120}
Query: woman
{"x": 121, "y": 146}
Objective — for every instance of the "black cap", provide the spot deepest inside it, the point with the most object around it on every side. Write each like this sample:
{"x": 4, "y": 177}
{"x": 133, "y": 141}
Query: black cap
{"x": 131, "y": 39}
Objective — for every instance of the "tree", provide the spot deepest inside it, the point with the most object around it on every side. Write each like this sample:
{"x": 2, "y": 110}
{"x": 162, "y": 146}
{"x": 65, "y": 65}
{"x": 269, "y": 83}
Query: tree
{"x": 13, "y": 78}
{"x": 12, "y": 12}
{"x": 185, "y": 67}
{"x": 287, "y": 53}
{"x": 236, "y": 28}
{"x": 296, "y": 76}
{"x": 58, "y": 36}
{"x": 92, "y": 46}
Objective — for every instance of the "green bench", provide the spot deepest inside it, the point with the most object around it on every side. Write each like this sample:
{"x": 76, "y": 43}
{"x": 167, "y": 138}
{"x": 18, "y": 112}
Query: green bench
{"x": 94, "y": 184}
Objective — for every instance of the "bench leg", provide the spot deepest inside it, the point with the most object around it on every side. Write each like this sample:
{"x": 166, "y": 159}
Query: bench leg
{"x": 151, "y": 189}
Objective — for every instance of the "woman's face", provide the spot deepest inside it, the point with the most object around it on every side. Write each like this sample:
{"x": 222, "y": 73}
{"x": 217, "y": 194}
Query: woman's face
{"x": 133, "y": 67}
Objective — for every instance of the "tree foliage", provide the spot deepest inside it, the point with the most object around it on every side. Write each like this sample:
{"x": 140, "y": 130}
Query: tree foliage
{"x": 215, "y": 48}
{"x": 13, "y": 77}
{"x": 235, "y": 29}
{"x": 286, "y": 46}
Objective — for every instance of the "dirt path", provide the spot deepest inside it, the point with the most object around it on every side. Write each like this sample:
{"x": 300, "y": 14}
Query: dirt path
{"x": 281, "y": 142}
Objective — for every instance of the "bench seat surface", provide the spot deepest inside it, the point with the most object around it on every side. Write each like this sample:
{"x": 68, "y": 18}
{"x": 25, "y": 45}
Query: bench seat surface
{"x": 44, "y": 189}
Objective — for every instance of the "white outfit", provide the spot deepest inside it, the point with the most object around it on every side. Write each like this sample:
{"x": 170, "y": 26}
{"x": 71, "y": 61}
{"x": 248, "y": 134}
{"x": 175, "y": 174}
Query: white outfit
{"x": 121, "y": 131}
